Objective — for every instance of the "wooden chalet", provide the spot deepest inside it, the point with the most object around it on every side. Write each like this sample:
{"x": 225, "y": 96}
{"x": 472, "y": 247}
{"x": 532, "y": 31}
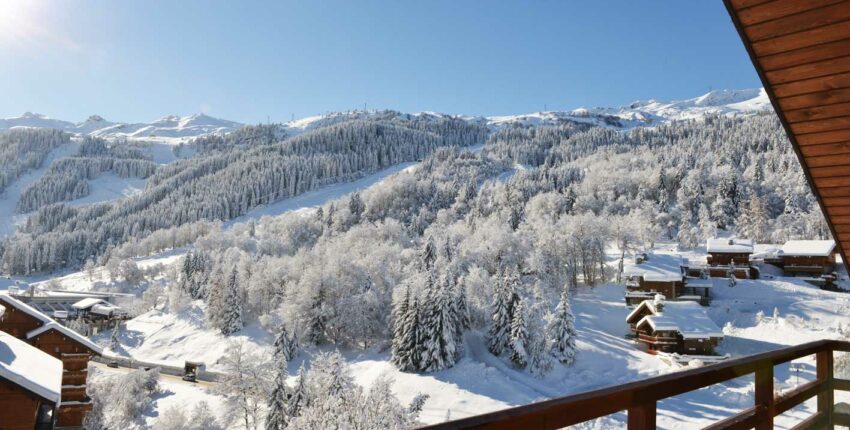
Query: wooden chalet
{"x": 72, "y": 349}
{"x": 726, "y": 252}
{"x": 30, "y": 385}
{"x": 807, "y": 257}
{"x": 664, "y": 274}
{"x": 680, "y": 327}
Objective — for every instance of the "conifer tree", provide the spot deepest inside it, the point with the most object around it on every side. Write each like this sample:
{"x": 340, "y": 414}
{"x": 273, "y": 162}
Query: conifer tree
{"x": 562, "y": 330}
{"x": 429, "y": 254}
{"x": 519, "y": 337}
{"x": 500, "y": 319}
{"x": 232, "y": 305}
{"x": 277, "y": 417}
{"x": 299, "y": 399}
{"x": 439, "y": 344}
{"x": 401, "y": 309}
{"x": 284, "y": 346}
{"x": 317, "y": 322}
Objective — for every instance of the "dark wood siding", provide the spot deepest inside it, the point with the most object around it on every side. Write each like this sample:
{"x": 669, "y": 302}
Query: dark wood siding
{"x": 16, "y": 322}
{"x": 801, "y": 51}
{"x": 18, "y": 407}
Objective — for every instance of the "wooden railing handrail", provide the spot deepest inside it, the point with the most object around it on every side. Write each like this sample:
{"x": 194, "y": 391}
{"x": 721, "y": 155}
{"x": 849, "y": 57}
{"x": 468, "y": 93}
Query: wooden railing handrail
{"x": 639, "y": 397}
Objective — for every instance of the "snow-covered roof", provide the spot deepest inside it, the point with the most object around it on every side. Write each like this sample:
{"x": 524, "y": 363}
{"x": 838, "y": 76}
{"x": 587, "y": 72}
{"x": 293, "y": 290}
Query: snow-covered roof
{"x": 25, "y": 308}
{"x": 26, "y": 366}
{"x": 729, "y": 246}
{"x": 67, "y": 332}
{"x": 88, "y": 302}
{"x": 658, "y": 267}
{"x": 649, "y": 305}
{"x": 808, "y": 248}
{"x": 106, "y": 309}
{"x": 48, "y": 323}
{"x": 688, "y": 318}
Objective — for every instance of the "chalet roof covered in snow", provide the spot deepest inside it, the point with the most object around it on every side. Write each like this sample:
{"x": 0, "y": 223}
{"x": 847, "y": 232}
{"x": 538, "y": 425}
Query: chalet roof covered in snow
{"x": 23, "y": 307}
{"x": 658, "y": 267}
{"x": 88, "y": 302}
{"x": 28, "y": 367}
{"x": 48, "y": 323}
{"x": 67, "y": 332}
{"x": 686, "y": 317}
{"x": 729, "y": 246}
{"x": 808, "y": 248}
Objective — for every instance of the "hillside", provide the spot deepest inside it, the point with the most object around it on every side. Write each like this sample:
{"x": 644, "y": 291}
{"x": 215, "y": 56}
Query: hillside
{"x": 475, "y": 261}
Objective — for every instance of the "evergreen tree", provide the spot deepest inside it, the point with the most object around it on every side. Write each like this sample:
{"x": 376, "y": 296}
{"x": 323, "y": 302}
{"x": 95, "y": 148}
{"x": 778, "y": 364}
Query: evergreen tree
{"x": 429, "y": 254}
{"x": 438, "y": 340}
{"x": 562, "y": 330}
{"x": 357, "y": 207}
{"x": 519, "y": 337}
{"x": 317, "y": 318}
{"x": 400, "y": 354}
{"x": 299, "y": 399}
{"x": 501, "y": 318}
{"x": 284, "y": 346}
{"x": 277, "y": 418}
{"x": 232, "y": 305}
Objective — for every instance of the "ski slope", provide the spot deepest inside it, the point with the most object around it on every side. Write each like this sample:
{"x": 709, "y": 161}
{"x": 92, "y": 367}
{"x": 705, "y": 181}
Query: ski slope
{"x": 10, "y": 196}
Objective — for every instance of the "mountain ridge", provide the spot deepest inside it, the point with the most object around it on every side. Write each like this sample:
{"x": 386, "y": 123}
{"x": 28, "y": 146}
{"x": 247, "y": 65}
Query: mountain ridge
{"x": 636, "y": 114}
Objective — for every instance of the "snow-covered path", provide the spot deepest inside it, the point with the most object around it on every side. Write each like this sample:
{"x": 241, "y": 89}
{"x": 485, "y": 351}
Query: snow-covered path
{"x": 313, "y": 199}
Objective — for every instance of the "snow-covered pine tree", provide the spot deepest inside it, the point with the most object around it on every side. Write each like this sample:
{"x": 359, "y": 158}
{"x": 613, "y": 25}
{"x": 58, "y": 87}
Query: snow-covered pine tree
{"x": 429, "y": 254}
{"x": 412, "y": 337}
{"x": 357, "y": 207}
{"x": 277, "y": 418}
{"x": 501, "y": 318}
{"x": 562, "y": 330}
{"x": 299, "y": 398}
{"x": 284, "y": 346}
{"x": 399, "y": 353}
{"x": 317, "y": 318}
{"x": 438, "y": 330}
{"x": 687, "y": 236}
{"x": 519, "y": 337}
{"x": 232, "y": 305}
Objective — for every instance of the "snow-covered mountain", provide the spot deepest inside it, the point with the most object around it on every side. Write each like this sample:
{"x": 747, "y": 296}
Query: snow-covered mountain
{"x": 648, "y": 113}
{"x": 35, "y": 120}
{"x": 636, "y": 114}
{"x": 171, "y": 126}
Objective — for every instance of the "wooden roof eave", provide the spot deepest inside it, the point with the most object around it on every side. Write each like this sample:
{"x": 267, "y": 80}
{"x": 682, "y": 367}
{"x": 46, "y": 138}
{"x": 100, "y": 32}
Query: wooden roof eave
{"x": 801, "y": 52}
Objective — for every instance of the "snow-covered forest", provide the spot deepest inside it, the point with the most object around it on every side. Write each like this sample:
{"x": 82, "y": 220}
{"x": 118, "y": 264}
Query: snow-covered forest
{"x": 490, "y": 235}
{"x": 26, "y": 148}
{"x": 217, "y": 187}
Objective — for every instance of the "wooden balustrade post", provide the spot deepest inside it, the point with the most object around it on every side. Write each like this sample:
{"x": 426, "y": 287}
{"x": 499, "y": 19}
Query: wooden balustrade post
{"x": 826, "y": 403}
{"x": 642, "y": 417}
{"x": 765, "y": 401}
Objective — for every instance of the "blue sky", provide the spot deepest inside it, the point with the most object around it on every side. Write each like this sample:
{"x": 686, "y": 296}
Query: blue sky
{"x": 249, "y": 60}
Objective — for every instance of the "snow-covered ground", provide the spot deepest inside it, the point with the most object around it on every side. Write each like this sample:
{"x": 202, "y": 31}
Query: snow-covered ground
{"x": 174, "y": 392}
{"x": 109, "y": 186}
{"x": 481, "y": 382}
{"x": 312, "y": 199}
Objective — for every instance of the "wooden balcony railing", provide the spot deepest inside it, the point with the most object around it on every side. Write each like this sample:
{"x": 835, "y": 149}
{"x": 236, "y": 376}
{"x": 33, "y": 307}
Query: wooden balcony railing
{"x": 639, "y": 398}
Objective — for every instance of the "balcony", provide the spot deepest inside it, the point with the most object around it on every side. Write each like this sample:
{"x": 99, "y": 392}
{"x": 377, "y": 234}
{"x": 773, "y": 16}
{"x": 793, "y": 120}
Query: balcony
{"x": 639, "y": 398}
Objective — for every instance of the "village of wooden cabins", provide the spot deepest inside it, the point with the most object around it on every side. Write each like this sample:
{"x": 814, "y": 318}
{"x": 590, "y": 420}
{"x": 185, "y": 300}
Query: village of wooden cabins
{"x": 668, "y": 293}
{"x": 44, "y": 364}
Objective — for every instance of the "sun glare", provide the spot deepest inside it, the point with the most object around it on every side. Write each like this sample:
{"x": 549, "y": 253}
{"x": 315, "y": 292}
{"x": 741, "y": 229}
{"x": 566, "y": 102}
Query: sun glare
{"x": 15, "y": 20}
